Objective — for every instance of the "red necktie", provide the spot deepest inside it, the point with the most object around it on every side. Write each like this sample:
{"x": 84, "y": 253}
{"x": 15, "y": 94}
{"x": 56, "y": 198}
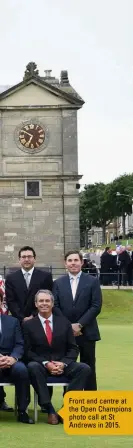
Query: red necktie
{"x": 48, "y": 331}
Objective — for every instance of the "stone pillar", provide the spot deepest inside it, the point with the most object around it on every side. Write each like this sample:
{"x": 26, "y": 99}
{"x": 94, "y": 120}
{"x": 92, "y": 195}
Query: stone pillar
{"x": 70, "y": 168}
{"x": 69, "y": 142}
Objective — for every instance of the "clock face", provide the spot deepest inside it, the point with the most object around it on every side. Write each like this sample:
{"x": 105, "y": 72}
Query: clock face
{"x": 31, "y": 136}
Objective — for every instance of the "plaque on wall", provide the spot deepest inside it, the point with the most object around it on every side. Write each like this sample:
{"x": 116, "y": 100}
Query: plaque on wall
{"x": 31, "y": 136}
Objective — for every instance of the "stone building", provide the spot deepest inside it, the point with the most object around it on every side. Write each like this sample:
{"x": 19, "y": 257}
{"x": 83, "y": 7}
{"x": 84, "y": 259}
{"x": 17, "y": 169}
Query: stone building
{"x": 39, "y": 203}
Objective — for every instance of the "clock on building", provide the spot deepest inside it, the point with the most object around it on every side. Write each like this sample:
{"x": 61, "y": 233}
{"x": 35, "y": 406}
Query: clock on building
{"x": 31, "y": 136}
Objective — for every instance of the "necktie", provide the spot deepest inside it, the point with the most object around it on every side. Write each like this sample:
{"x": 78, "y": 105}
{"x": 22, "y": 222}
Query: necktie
{"x": 48, "y": 331}
{"x": 27, "y": 278}
{"x": 74, "y": 287}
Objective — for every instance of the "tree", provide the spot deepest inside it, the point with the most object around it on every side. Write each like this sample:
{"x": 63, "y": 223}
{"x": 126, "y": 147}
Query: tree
{"x": 100, "y": 203}
{"x": 95, "y": 207}
{"x": 120, "y": 197}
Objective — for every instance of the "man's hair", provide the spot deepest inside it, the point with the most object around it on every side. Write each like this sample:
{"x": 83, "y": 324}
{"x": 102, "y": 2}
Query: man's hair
{"x": 1, "y": 296}
{"x": 107, "y": 248}
{"x": 71, "y": 252}
{"x": 24, "y": 248}
{"x": 44, "y": 291}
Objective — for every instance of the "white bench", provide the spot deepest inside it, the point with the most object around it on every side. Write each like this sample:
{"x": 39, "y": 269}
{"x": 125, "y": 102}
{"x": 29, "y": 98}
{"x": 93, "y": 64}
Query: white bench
{"x": 57, "y": 383}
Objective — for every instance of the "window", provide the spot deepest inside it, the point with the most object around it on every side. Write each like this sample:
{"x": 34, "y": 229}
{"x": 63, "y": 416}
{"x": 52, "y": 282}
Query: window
{"x": 33, "y": 189}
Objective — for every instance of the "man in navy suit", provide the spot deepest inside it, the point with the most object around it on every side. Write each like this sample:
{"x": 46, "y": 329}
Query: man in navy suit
{"x": 22, "y": 285}
{"x": 11, "y": 368}
{"x": 78, "y": 296}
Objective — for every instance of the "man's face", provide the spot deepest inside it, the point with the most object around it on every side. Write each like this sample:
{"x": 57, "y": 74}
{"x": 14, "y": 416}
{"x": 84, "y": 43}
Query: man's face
{"x": 44, "y": 304}
{"x": 27, "y": 260}
{"x": 73, "y": 264}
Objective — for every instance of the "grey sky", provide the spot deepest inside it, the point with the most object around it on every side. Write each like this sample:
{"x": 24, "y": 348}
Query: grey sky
{"x": 93, "y": 39}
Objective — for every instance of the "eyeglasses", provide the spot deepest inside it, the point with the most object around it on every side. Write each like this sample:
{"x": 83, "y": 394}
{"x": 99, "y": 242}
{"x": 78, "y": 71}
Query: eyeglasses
{"x": 27, "y": 256}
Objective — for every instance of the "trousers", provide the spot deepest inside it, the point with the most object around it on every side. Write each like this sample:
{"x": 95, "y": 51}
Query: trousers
{"x": 18, "y": 375}
{"x": 77, "y": 374}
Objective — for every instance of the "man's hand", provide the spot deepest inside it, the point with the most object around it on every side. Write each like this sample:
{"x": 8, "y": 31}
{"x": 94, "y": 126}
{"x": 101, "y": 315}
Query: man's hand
{"x": 27, "y": 318}
{"x": 6, "y": 362}
{"x": 59, "y": 366}
{"x": 51, "y": 367}
{"x": 10, "y": 361}
{"x": 3, "y": 361}
{"x": 55, "y": 367}
{"x": 76, "y": 329}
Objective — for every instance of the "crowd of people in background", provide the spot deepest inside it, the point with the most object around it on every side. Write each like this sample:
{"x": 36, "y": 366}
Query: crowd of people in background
{"x": 116, "y": 266}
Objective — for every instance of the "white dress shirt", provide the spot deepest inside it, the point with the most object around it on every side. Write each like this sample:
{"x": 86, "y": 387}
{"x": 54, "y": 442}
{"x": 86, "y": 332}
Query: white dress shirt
{"x": 42, "y": 319}
{"x": 30, "y": 272}
{"x": 72, "y": 277}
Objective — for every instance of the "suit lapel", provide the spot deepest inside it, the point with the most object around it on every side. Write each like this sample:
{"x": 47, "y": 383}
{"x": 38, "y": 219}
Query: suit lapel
{"x": 67, "y": 287}
{"x": 3, "y": 328}
{"x": 55, "y": 325}
{"x": 33, "y": 280}
{"x": 21, "y": 281}
{"x": 39, "y": 328}
{"x": 80, "y": 287}
{"x": 56, "y": 329}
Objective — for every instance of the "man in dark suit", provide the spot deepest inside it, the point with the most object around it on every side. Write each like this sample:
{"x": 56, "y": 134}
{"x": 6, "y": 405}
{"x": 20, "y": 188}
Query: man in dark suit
{"x": 3, "y": 310}
{"x": 125, "y": 263}
{"x": 50, "y": 349}
{"x": 78, "y": 296}
{"x": 130, "y": 265}
{"x": 21, "y": 286}
{"x": 11, "y": 368}
{"x": 107, "y": 267}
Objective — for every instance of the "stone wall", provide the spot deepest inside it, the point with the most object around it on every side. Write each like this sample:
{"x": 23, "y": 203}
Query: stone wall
{"x": 36, "y": 222}
{"x": 50, "y": 224}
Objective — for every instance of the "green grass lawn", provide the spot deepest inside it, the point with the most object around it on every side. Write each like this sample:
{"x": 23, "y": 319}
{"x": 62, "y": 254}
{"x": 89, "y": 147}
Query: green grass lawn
{"x": 117, "y": 307}
{"x": 121, "y": 242}
{"x": 114, "y": 371}
{"x": 112, "y": 245}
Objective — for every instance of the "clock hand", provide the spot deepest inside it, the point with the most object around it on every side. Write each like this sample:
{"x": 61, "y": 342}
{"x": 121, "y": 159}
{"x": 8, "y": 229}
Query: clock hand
{"x": 30, "y": 139}
{"x": 31, "y": 135}
{"x": 28, "y": 142}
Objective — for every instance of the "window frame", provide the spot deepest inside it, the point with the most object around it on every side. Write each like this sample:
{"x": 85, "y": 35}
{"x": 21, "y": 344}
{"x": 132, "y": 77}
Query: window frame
{"x": 40, "y": 189}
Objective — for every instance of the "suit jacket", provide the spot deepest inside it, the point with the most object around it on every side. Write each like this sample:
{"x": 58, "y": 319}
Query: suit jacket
{"x": 124, "y": 259}
{"x": 107, "y": 262}
{"x": 131, "y": 256}
{"x": 20, "y": 299}
{"x": 11, "y": 341}
{"x": 86, "y": 305}
{"x": 37, "y": 348}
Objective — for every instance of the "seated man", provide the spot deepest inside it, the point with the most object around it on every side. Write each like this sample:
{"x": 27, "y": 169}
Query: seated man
{"x": 11, "y": 368}
{"x": 50, "y": 349}
{"x": 3, "y": 310}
